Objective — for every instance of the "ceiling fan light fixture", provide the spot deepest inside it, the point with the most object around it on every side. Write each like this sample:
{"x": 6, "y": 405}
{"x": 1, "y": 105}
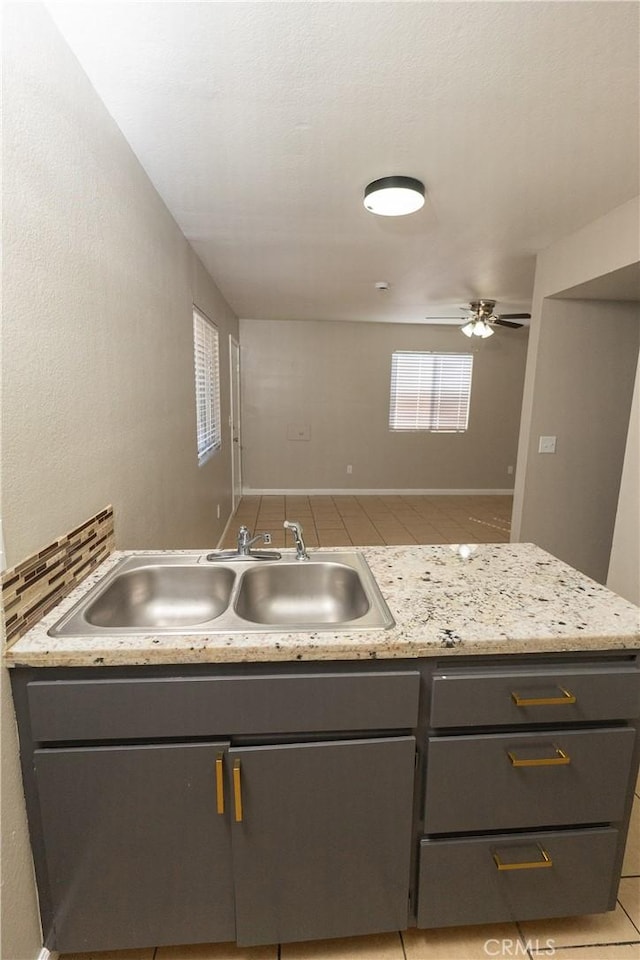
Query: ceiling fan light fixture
{"x": 394, "y": 196}
{"x": 477, "y": 328}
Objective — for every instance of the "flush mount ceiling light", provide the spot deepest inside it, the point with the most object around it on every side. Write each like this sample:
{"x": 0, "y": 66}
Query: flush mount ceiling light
{"x": 394, "y": 196}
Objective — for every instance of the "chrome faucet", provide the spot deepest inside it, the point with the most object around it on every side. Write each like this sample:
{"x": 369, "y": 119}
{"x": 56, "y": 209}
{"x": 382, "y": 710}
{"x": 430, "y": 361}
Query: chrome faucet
{"x": 245, "y": 540}
{"x": 244, "y": 551}
{"x": 296, "y": 530}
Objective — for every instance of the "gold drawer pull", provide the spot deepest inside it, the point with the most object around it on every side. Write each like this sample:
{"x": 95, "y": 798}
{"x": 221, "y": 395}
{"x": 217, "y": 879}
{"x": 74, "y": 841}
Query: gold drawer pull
{"x": 219, "y": 784}
{"x": 237, "y": 791}
{"x": 560, "y": 759}
{"x": 566, "y": 698}
{"x": 525, "y": 864}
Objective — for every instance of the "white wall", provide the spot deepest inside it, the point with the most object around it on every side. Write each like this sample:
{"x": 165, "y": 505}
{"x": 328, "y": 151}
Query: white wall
{"x": 335, "y": 378}
{"x": 98, "y": 398}
{"x": 600, "y": 248}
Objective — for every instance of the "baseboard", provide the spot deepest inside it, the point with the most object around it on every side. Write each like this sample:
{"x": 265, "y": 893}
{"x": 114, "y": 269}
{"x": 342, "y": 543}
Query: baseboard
{"x": 47, "y": 954}
{"x": 360, "y": 492}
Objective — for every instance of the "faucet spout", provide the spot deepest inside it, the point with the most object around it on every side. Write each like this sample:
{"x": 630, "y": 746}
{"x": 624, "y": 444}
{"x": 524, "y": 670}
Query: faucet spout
{"x": 243, "y": 550}
{"x": 296, "y": 530}
{"x": 245, "y": 540}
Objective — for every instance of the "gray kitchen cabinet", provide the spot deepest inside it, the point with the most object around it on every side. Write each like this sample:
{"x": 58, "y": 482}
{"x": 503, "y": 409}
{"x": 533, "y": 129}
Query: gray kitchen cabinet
{"x": 264, "y": 804}
{"x": 323, "y": 846}
{"x": 559, "y": 776}
{"x": 135, "y": 850}
{"x": 548, "y": 753}
{"x": 535, "y": 875}
{"x": 278, "y": 811}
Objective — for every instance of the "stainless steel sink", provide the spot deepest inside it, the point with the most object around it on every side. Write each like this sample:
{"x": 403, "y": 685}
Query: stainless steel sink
{"x": 302, "y": 592}
{"x": 162, "y": 596}
{"x": 186, "y": 594}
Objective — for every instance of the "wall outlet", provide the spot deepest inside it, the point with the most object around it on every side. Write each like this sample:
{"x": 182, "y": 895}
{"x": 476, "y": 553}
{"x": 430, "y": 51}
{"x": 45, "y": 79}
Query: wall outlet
{"x": 349, "y": 468}
{"x": 218, "y": 511}
{"x": 547, "y": 445}
{"x": 510, "y": 469}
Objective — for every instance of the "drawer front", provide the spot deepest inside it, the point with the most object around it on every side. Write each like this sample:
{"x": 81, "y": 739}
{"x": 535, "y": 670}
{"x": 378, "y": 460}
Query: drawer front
{"x": 463, "y": 698}
{"x": 460, "y": 882}
{"x": 202, "y": 706}
{"x": 505, "y": 781}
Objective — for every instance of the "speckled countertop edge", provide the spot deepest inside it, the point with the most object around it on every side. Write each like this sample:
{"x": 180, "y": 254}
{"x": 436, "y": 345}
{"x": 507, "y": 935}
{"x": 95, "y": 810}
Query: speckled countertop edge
{"x": 503, "y": 599}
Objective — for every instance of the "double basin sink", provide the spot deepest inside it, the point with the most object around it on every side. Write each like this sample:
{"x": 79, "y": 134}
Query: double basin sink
{"x": 174, "y": 593}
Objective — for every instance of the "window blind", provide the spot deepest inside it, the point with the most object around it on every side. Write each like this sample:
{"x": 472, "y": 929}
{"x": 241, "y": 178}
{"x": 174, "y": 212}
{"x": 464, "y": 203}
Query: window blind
{"x": 430, "y": 391}
{"x": 207, "y": 379}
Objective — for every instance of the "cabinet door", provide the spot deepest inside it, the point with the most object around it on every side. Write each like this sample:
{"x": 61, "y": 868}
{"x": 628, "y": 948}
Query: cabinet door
{"x": 136, "y": 852}
{"x": 324, "y": 843}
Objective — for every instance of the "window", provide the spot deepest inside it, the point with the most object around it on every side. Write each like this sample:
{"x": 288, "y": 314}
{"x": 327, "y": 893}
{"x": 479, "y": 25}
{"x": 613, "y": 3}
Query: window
{"x": 430, "y": 391}
{"x": 207, "y": 365}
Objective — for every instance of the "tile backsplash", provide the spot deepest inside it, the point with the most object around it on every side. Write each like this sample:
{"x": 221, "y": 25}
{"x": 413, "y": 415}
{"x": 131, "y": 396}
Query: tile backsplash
{"x": 34, "y": 586}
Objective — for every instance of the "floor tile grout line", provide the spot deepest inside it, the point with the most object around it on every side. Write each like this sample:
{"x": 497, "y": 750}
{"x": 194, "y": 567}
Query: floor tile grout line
{"x": 524, "y": 940}
{"x": 402, "y": 946}
{"x": 626, "y": 912}
{"x": 590, "y": 946}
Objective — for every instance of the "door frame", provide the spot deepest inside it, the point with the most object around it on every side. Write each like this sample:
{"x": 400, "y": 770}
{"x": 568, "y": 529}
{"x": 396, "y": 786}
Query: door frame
{"x": 235, "y": 422}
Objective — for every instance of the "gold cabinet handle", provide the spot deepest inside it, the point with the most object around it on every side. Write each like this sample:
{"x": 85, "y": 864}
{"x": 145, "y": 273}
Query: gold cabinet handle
{"x": 559, "y": 759}
{"x": 566, "y": 698}
{"x": 220, "y": 783}
{"x": 237, "y": 791}
{"x": 525, "y": 864}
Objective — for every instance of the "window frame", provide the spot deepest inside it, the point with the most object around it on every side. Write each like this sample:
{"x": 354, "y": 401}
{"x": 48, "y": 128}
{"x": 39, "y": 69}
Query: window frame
{"x": 206, "y": 357}
{"x": 427, "y": 404}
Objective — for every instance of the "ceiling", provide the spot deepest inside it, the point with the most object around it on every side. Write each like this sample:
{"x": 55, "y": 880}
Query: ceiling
{"x": 261, "y": 123}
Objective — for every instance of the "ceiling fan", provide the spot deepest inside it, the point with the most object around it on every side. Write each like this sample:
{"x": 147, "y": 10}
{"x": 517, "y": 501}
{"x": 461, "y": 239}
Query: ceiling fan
{"x": 483, "y": 319}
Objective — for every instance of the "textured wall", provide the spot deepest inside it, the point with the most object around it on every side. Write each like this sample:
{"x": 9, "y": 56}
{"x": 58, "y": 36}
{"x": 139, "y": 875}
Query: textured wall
{"x": 624, "y": 565}
{"x": 598, "y": 249}
{"x": 587, "y": 357}
{"x": 98, "y": 402}
{"x": 98, "y": 350}
{"x": 334, "y": 378}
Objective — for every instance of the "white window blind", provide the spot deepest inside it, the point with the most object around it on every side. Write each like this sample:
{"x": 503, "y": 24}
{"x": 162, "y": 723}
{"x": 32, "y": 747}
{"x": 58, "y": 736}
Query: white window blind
{"x": 430, "y": 391}
{"x": 207, "y": 373}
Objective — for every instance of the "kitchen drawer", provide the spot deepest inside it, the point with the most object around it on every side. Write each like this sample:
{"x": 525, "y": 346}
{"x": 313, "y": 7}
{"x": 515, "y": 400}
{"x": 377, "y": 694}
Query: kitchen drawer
{"x": 201, "y": 706}
{"x": 547, "y": 694}
{"x": 460, "y": 883}
{"x": 504, "y": 781}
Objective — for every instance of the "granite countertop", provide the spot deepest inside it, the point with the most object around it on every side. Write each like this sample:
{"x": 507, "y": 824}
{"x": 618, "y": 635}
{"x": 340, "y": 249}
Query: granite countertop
{"x": 503, "y": 599}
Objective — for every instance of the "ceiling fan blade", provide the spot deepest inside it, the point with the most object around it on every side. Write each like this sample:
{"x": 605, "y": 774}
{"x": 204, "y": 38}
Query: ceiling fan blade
{"x": 506, "y": 323}
{"x": 515, "y": 316}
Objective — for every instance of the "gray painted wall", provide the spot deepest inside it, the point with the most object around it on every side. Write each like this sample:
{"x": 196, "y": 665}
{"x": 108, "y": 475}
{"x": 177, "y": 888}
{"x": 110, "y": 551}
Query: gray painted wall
{"x": 335, "y": 377}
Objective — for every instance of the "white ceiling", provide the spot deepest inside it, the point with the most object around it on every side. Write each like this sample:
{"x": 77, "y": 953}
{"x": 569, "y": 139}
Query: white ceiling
{"x": 261, "y": 123}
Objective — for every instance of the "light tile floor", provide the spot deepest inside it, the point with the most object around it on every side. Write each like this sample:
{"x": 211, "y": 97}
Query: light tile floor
{"x": 605, "y": 936}
{"x": 375, "y": 521}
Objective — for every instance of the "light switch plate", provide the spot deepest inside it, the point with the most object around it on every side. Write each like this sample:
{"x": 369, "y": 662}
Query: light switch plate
{"x": 547, "y": 445}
